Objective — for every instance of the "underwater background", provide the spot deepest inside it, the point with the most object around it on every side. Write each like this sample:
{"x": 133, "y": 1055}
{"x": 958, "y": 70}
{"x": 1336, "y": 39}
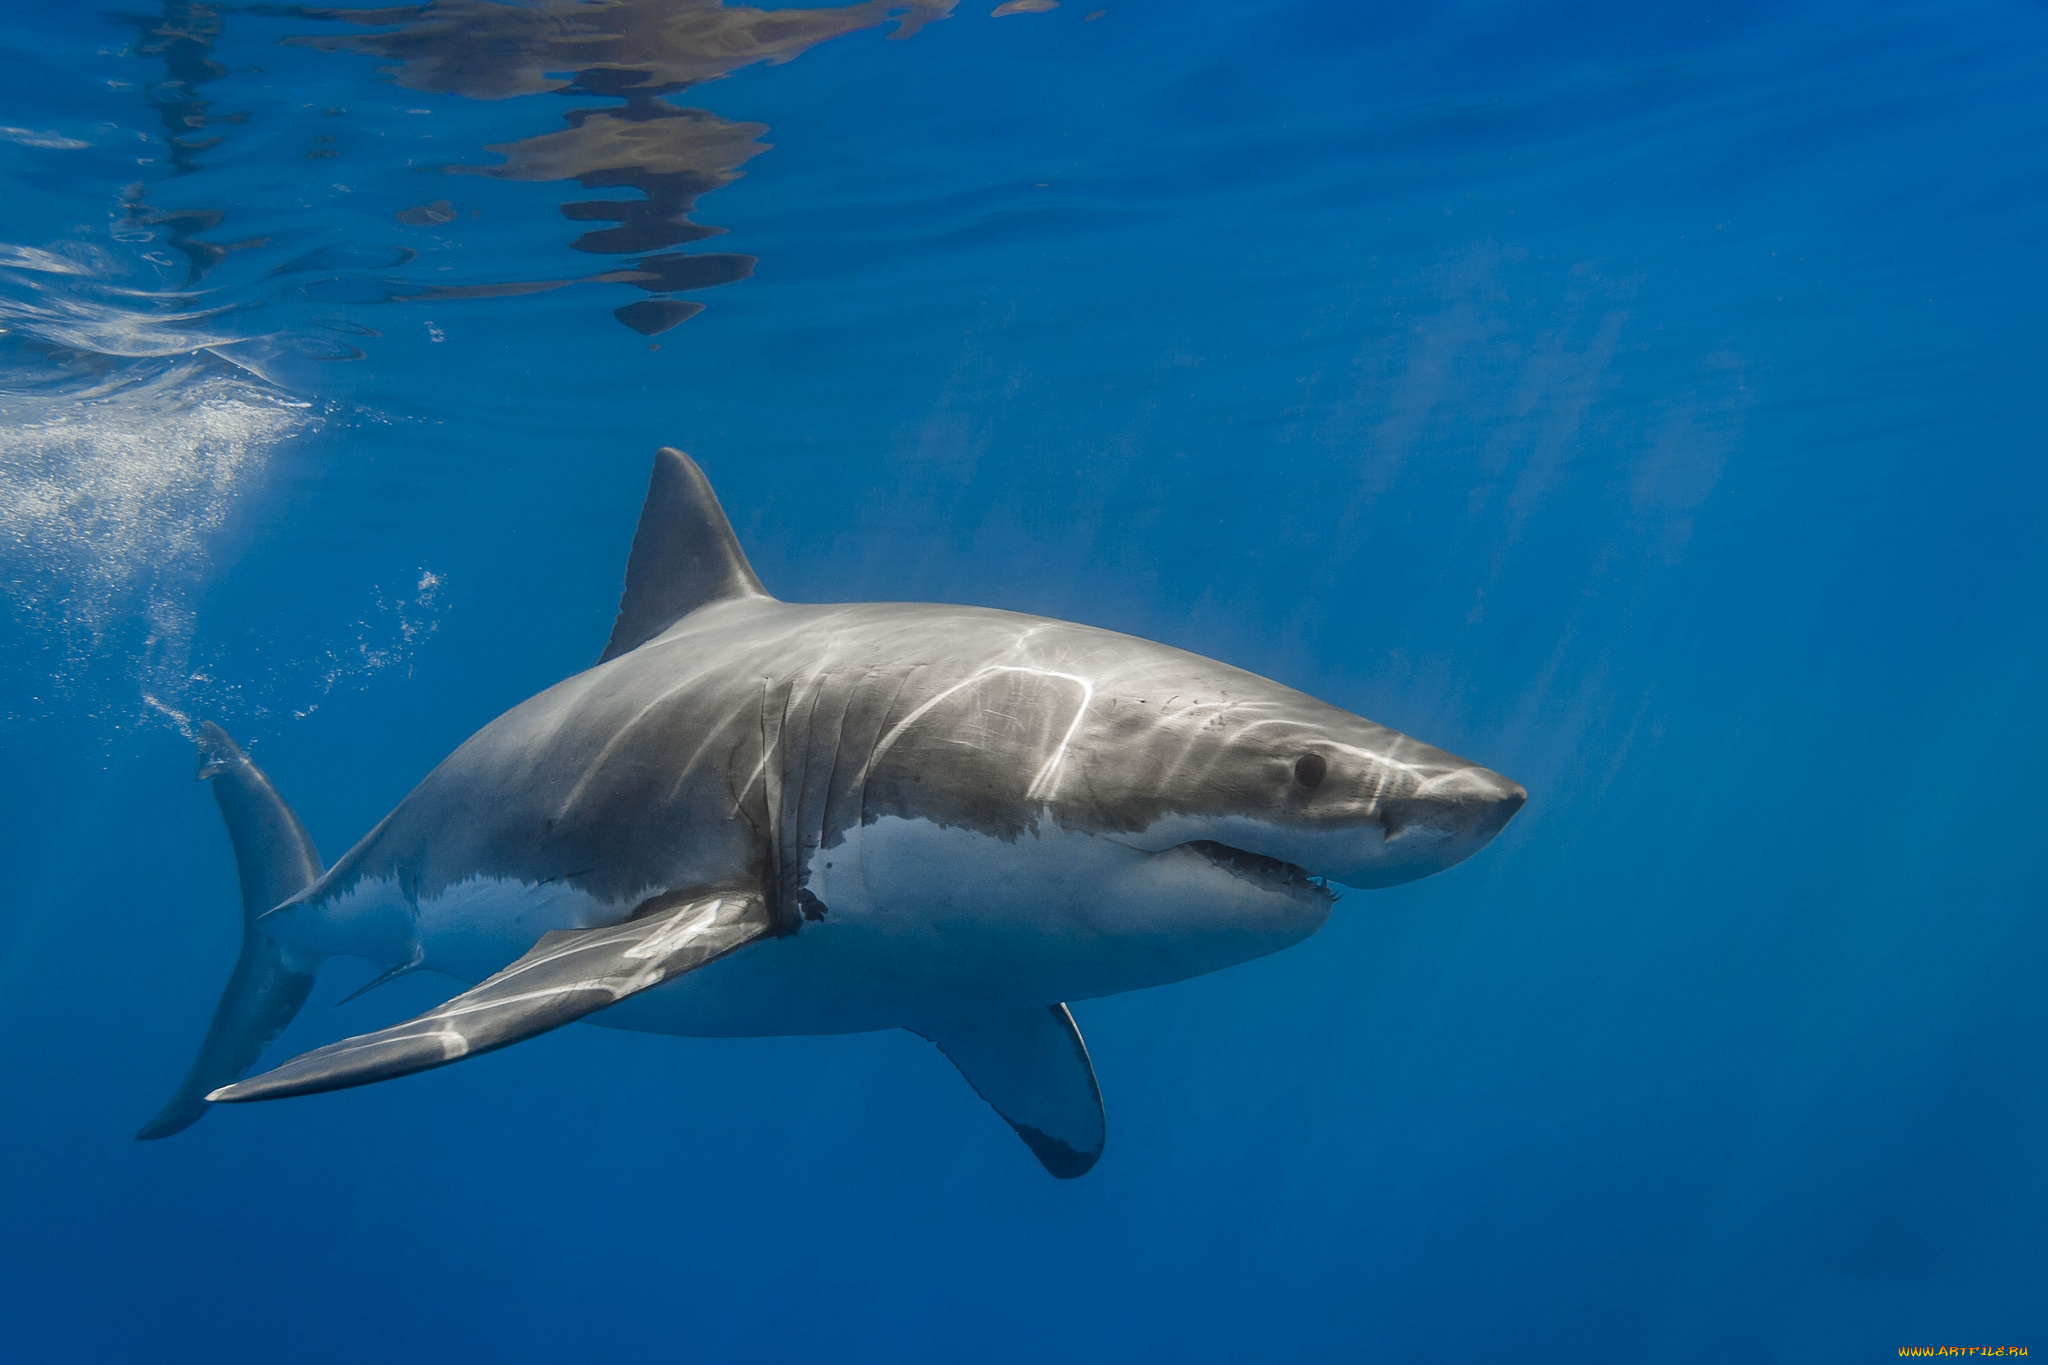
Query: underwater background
{"x": 1646, "y": 401}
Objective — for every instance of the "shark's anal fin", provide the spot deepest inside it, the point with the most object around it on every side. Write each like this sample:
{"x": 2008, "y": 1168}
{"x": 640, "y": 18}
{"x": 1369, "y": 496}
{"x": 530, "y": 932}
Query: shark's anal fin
{"x": 1033, "y": 1069}
{"x": 568, "y": 974}
{"x": 684, "y": 555}
{"x": 275, "y": 860}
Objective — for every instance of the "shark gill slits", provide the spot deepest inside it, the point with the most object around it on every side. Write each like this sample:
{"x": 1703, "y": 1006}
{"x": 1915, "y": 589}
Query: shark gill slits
{"x": 1310, "y": 770}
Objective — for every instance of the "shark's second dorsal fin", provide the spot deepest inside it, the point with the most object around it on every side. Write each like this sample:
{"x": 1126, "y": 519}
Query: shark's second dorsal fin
{"x": 684, "y": 555}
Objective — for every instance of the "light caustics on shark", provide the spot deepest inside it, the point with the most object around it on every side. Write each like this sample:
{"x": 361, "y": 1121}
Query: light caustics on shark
{"x": 760, "y": 817}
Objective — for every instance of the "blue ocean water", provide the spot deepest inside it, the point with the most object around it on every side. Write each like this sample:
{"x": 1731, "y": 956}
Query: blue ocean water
{"x": 1645, "y": 401}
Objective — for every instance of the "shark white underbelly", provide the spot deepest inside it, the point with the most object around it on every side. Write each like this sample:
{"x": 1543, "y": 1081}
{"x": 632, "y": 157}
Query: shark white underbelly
{"x": 913, "y": 923}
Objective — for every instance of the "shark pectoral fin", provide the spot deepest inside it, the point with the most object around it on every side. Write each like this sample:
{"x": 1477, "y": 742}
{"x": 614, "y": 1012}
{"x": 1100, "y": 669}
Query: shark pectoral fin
{"x": 1033, "y": 1069}
{"x": 568, "y": 974}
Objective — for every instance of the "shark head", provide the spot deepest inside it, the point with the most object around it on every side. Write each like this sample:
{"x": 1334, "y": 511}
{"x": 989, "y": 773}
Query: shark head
{"x": 1256, "y": 774}
{"x": 1192, "y": 805}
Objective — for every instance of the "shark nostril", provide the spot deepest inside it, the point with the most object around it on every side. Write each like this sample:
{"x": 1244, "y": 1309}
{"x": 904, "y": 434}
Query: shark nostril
{"x": 1310, "y": 770}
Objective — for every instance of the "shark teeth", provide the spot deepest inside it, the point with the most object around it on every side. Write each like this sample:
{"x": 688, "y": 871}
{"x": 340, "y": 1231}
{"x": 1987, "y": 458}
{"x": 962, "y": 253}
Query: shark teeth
{"x": 1259, "y": 868}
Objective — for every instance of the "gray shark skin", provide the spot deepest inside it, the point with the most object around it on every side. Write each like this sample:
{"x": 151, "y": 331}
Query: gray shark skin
{"x": 759, "y": 817}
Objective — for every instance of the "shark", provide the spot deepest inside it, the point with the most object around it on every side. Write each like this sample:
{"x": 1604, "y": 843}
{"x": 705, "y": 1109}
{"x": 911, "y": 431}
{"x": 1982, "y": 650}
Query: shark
{"x": 756, "y": 817}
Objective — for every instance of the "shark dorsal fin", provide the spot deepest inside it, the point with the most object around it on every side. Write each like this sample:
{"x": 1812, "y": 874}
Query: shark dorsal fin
{"x": 684, "y": 555}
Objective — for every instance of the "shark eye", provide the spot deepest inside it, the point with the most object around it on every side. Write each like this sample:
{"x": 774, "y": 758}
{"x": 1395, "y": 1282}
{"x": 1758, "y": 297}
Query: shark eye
{"x": 1310, "y": 770}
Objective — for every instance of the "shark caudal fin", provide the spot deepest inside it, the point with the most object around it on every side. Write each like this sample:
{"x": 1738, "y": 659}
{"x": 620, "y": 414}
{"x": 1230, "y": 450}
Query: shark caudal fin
{"x": 684, "y": 555}
{"x": 276, "y": 861}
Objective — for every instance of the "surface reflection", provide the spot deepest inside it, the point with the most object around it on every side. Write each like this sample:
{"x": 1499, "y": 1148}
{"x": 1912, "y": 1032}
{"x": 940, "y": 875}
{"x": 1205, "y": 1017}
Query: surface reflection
{"x": 83, "y": 321}
{"x": 182, "y": 35}
{"x": 638, "y": 52}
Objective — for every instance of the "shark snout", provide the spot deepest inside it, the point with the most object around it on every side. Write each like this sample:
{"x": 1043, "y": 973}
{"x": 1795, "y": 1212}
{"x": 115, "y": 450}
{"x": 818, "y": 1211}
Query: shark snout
{"x": 1436, "y": 823}
{"x": 1451, "y": 816}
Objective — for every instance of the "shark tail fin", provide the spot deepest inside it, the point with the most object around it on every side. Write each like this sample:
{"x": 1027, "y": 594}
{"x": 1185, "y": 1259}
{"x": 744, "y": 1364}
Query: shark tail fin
{"x": 275, "y": 861}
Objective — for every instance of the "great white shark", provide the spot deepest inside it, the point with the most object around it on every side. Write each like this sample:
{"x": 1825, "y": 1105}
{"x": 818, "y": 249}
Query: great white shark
{"x": 761, "y": 817}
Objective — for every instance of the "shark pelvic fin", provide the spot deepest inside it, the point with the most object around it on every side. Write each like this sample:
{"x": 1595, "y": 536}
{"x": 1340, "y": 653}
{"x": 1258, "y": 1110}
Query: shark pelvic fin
{"x": 568, "y": 974}
{"x": 275, "y": 860}
{"x": 684, "y": 555}
{"x": 1032, "y": 1067}
{"x": 392, "y": 973}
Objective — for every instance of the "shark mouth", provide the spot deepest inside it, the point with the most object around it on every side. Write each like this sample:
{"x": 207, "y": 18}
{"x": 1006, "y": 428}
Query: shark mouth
{"x": 1270, "y": 873}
